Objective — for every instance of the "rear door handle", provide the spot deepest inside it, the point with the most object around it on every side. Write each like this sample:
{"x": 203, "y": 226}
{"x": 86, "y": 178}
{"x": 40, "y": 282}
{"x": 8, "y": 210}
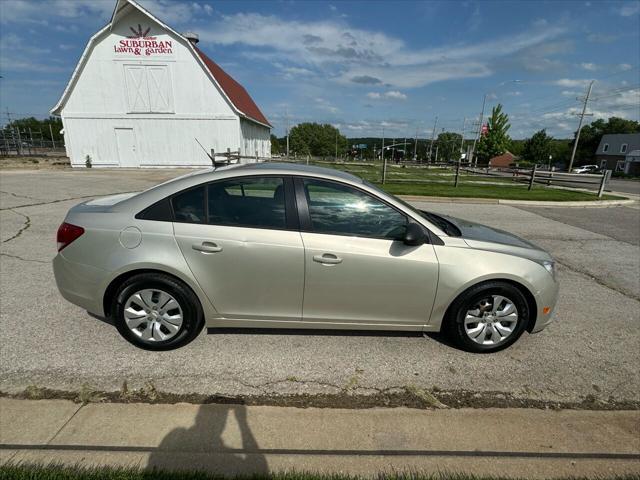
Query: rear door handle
{"x": 327, "y": 259}
{"x": 206, "y": 247}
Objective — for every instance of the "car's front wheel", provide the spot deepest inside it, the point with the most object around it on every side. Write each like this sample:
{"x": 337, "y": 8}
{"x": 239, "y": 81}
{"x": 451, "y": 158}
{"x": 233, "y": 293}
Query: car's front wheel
{"x": 488, "y": 317}
{"x": 155, "y": 311}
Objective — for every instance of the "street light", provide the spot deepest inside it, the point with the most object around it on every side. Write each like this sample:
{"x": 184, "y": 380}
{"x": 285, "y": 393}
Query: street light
{"x": 484, "y": 101}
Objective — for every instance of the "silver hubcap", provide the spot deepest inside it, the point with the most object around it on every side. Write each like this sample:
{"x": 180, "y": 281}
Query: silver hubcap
{"x": 153, "y": 315}
{"x": 491, "y": 321}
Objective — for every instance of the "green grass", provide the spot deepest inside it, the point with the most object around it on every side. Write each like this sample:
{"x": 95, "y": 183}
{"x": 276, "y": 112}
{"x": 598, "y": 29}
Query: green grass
{"x": 400, "y": 181}
{"x": 55, "y": 472}
{"x": 507, "y": 192}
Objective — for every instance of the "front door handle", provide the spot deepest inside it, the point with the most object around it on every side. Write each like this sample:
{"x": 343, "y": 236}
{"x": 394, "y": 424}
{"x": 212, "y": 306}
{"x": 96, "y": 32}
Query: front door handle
{"x": 327, "y": 259}
{"x": 206, "y": 247}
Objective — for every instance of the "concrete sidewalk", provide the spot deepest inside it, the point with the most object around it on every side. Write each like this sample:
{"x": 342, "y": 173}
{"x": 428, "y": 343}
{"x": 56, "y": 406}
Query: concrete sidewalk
{"x": 241, "y": 439}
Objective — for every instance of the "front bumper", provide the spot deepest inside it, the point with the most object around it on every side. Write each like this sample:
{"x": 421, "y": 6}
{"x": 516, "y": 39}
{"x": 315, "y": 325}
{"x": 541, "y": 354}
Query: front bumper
{"x": 546, "y": 299}
{"x": 80, "y": 284}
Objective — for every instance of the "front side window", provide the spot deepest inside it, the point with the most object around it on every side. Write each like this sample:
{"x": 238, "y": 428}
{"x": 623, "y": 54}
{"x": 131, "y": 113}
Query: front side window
{"x": 188, "y": 207}
{"x": 623, "y": 148}
{"x": 342, "y": 210}
{"x": 248, "y": 202}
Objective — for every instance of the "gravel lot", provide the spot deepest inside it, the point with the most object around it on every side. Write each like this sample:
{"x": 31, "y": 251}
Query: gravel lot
{"x": 592, "y": 350}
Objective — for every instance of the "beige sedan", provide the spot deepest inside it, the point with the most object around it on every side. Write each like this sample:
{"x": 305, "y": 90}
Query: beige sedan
{"x": 290, "y": 246}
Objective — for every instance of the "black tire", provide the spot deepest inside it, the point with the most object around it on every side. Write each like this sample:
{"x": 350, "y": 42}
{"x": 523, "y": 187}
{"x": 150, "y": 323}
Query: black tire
{"x": 470, "y": 298}
{"x": 193, "y": 318}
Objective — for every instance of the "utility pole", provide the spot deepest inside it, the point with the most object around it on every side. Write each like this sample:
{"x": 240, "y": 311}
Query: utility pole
{"x": 415, "y": 148}
{"x": 286, "y": 114}
{"x": 464, "y": 124}
{"x": 393, "y": 150}
{"x": 582, "y": 115}
{"x": 382, "y": 151}
{"x": 53, "y": 142}
{"x": 384, "y": 161}
{"x": 433, "y": 135}
{"x": 477, "y": 137}
{"x": 336, "y": 144}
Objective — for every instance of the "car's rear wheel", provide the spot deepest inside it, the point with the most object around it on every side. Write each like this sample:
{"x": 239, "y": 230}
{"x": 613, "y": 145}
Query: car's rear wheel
{"x": 155, "y": 311}
{"x": 488, "y": 317}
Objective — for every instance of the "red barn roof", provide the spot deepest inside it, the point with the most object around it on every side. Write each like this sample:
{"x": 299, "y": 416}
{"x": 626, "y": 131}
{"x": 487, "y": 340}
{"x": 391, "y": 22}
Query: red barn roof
{"x": 236, "y": 92}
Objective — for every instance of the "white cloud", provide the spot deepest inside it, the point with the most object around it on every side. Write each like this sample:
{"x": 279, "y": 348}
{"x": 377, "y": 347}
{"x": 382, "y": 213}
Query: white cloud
{"x": 357, "y": 56}
{"x": 620, "y": 104}
{"x": 629, "y": 8}
{"x": 624, "y": 67}
{"x": 28, "y": 11}
{"x": 390, "y": 95}
{"x": 17, "y": 55}
{"x": 571, "y": 83}
{"x": 589, "y": 66}
{"x": 395, "y": 95}
{"x": 325, "y": 105}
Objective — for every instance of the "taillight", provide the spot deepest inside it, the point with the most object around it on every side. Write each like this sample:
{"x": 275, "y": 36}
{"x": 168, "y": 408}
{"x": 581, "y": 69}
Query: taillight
{"x": 67, "y": 233}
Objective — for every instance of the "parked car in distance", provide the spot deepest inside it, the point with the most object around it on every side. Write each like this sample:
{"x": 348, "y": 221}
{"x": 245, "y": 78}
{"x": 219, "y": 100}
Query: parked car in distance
{"x": 293, "y": 246}
{"x": 586, "y": 169}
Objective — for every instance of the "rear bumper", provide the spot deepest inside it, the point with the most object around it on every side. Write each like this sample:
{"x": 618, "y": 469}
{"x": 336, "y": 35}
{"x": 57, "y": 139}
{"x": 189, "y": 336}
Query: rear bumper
{"x": 546, "y": 298}
{"x": 80, "y": 284}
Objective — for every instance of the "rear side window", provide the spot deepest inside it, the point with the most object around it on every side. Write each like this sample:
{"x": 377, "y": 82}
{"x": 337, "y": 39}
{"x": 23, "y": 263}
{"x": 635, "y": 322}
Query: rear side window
{"x": 188, "y": 206}
{"x": 159, "y": 211}
{"x": 250, "y": 202}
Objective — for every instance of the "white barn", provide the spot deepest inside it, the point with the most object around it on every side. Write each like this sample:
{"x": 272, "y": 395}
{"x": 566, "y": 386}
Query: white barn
{"x": 143, "y": 95}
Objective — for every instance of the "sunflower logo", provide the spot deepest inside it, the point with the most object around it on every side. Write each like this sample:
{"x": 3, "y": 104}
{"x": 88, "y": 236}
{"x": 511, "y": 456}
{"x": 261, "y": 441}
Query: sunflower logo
{"x": 139, "y": 33}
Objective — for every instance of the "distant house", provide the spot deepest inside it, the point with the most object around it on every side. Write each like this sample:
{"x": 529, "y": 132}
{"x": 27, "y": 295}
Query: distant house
{"x": 632, "y": 163}
{"x": 503, "y": 161}
{"x": 616, "y": 152}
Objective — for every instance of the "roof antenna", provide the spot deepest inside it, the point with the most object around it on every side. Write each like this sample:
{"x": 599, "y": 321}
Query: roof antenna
{"x": 211, "y": 155}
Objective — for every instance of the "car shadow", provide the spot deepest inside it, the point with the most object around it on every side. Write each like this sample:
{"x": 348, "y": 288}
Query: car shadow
{"x": 439, "y": 337}
{"x": 215, "y": 443}
{"x": 311, "y": 332}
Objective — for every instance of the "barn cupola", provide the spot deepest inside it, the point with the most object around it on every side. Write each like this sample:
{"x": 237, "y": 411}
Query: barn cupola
{"x": 192, "y": 37}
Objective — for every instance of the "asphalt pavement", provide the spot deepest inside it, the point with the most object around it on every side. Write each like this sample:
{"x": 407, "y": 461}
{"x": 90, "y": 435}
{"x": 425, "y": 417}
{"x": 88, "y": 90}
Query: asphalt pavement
{"x": 590, "y": 352}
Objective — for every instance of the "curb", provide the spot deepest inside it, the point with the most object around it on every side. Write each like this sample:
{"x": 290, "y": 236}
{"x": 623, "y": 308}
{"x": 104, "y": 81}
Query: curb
{"x": 539, "y": 203}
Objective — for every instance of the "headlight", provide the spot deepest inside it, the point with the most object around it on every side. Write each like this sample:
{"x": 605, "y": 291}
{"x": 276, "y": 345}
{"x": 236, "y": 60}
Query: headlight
{"x": 549, "y": 267}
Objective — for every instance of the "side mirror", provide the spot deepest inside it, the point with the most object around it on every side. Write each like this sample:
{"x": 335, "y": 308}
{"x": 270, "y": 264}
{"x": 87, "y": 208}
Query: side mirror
{"x": 414, "y": 235}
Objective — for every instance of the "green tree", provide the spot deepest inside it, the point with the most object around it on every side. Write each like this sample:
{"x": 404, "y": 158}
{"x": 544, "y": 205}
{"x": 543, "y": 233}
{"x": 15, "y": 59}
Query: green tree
{"x": 591, "y": 135}
{"x": 316, "y": 139}
{"x": 275, "y": 145}
{"x": 448, "y": 146}
{"x": 495, "y": 141}
{"x": 537, "y": 148}
{"x": 37, "y": 127}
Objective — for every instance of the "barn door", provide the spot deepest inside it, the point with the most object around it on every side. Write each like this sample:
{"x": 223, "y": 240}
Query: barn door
{"x": 137, "y": 90}
{"x": 126, "y": 144}
{"x": 148, "y": 88}
{"x": 159, "y": 88}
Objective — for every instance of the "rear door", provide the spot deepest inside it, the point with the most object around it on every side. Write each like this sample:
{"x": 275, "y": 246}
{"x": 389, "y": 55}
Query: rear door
{"x": 358, "y": 270}
{"x": 240, "y": 238}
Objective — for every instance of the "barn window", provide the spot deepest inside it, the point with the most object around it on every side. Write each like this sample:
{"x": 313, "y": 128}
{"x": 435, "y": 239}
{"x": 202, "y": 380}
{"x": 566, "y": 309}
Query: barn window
{"x": 148, "y": 88}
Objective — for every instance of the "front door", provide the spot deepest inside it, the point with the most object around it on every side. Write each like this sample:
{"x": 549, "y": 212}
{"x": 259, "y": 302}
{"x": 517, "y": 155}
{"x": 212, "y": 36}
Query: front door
{"x": 126, "y": 144}
{"x": 357, "y": 271}
{"x": 242, "y": 245}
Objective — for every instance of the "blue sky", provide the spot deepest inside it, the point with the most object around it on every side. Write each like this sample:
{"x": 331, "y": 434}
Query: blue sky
{"x": 365, "y": 65}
